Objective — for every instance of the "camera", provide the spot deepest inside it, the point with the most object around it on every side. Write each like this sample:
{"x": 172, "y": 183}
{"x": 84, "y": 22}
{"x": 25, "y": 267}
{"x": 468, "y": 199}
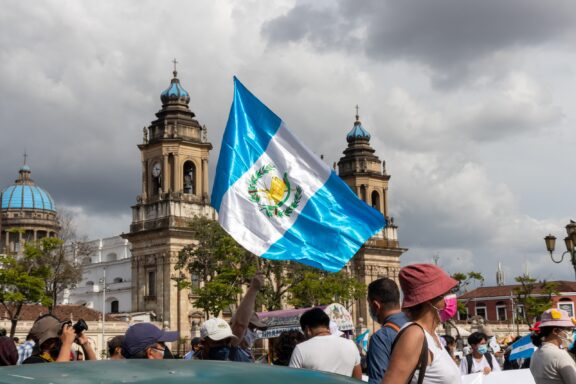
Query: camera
{"x": 79, "y": 327}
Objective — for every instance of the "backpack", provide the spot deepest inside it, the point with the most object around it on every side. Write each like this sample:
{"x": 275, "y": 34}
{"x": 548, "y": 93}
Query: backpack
{"x": 423, "y": 360}
{"x": 488, "y": 357}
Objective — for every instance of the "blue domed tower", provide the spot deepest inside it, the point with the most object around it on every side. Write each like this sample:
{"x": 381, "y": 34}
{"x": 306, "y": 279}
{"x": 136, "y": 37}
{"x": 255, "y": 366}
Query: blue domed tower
{"x": 366, "y": 175}
{"x": 174, "y": 162}
{"x": 28, "y": 213}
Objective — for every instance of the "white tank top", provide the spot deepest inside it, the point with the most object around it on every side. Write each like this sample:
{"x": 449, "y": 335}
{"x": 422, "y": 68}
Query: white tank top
{"x": 443, "y": 369}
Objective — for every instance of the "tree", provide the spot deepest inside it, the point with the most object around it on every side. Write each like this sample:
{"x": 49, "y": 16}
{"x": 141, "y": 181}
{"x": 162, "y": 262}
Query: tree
{"x": 21, "y": 282}
{"x": 317, "y": 287}
{"x": 465, "y": 280}
{"x": 62, "y": 257}
{"x": 219, "y": 262}
{"x": 223, "y": 267}
{"x": 534, "y": 303}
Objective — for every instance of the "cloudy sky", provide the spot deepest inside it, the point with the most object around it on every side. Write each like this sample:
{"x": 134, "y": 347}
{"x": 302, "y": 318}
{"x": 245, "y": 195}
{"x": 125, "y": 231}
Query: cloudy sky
{"x": 469, "y": 104}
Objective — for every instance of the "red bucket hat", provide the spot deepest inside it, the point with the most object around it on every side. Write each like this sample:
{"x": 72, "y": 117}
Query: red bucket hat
{"x": 423, "y": 282}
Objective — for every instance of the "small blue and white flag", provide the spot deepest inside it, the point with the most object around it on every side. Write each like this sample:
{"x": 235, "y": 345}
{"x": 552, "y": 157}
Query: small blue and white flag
{"x": 278, "y": 199}
{"x": 362, "y": 340}
{"x": 522, "y": 349}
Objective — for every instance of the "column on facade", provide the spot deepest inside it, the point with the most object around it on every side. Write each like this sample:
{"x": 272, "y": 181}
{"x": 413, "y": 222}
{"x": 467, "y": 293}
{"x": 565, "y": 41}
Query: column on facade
{"x": 385, "y": 201}
{"x": 204, "y": 177}
{"x": 166, "y": 183}
{"x": 144, "y": 179}
{"x": 177, "y": 173}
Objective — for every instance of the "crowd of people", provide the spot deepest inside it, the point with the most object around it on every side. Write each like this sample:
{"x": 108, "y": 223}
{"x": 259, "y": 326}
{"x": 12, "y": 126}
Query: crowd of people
{"x": 406, "y": 348}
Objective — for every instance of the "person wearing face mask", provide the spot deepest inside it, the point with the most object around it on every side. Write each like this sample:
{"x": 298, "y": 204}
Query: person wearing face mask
{"x": 147, "y": 341}
{"x": 551, "y": 363}
{"x": 384, "y": 306}
{"x": 220, "y": 341}
{"x": 480, "y": 360}
{"x": 418, "y": 355}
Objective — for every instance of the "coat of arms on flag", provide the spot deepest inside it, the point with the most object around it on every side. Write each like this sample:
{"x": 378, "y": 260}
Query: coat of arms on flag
{"x": 275, "y": 196}
{"x": 281, "y": 201}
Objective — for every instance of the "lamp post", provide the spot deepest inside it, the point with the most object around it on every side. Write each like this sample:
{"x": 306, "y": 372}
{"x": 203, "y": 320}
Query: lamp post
{"x": 179, "y": 286}
{"x": 103, "y": 283}
{"x": 569, "y": 241}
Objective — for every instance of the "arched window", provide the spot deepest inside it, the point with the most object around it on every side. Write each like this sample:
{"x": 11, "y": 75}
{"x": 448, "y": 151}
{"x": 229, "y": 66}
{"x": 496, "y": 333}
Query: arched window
{"x": 375, "y": 200}
{"x": 114, "y": 305}
{"x": 189, "y": 177}
{"x": 89, "y": 283}
{"x": 111, "y": 257}
{"x": 118, "y": 280}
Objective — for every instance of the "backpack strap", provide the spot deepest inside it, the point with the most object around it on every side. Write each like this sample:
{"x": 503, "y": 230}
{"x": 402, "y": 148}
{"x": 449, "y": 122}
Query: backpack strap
{"x": 392, "y": 325}
{"x": 488, "y": 357}
{"x": 422, "y": 360}
{"x": 469, "y": 361}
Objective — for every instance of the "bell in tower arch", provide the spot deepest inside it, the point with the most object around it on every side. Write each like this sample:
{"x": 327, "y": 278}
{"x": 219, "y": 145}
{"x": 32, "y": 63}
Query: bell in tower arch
{"x": 189, "y": 177}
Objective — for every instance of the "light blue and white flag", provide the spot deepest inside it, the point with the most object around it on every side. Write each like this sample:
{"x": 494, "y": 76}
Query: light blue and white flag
{"x": 362, "y": 340}
{"x": 278, "y": 199}
{"x": 522, "y": 349}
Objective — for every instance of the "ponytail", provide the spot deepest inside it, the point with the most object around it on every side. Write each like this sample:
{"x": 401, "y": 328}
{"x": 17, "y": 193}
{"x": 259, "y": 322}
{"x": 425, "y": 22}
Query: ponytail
{"x": 539, "y": 336}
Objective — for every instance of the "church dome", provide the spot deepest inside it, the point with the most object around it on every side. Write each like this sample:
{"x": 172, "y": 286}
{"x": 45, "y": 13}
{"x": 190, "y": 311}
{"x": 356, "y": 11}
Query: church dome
{"x": 175, "y": 92}
{"x": 357, "y": 132}
{"x": 26, "y": 195}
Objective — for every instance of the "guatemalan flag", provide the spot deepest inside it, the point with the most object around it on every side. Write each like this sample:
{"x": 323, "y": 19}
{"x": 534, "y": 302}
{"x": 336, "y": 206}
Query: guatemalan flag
{"x": 278, "y": 199}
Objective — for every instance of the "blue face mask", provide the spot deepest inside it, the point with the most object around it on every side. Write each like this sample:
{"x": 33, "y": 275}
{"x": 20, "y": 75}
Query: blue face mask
{"x": 219, "y": 353}
{"x": 482, "y": 349}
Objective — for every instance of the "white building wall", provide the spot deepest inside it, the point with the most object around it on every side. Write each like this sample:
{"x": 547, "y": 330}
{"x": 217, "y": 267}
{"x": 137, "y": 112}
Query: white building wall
{"x": 110, "y": 256}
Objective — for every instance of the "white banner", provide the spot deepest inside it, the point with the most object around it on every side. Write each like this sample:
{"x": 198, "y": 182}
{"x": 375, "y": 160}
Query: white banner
{"x": 503, "y": 377}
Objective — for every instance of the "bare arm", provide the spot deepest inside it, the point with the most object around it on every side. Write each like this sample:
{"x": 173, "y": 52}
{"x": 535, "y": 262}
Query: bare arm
{"x": 241, "y": 319}
{"x": 357, "y": 372}
{"x": 67, "y": 338}
{"x": 405, "y": 356}
{"x": 87, "y": 347}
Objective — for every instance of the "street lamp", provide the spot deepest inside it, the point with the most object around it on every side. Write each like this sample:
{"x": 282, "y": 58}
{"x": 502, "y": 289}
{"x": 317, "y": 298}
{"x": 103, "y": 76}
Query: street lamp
{"x": 179, "y": 286}
{"x": 569, "y": 241}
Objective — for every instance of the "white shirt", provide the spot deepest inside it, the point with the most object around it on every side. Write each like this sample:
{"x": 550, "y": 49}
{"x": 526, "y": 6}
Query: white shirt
{"x": 443, "y": 369}
{"x": 326, "y": 353}
{"x": 479, "y": 365}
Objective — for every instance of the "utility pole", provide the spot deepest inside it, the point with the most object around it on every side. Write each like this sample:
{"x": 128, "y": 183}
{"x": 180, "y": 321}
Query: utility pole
{"x": 103, "y": 312}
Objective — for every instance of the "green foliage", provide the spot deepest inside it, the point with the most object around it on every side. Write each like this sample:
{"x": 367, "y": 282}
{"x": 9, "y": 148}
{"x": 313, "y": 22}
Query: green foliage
{"x": 533, "y": 304}
{"x": 318, "y": 287}
{"x": 223, "y": 267}
{"x": 219, "y": 262}
{"x": 21, "y": 282}
{"x": 465, "y": 280}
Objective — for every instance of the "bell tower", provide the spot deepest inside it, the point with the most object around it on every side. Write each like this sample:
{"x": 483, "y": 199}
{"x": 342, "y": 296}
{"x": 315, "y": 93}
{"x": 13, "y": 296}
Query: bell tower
{"x": 366, "y": 175}
{"x": 174, "y": 160}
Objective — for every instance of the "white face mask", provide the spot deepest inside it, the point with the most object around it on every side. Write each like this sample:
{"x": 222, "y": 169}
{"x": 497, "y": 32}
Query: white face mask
{"x": 566, "y": 337}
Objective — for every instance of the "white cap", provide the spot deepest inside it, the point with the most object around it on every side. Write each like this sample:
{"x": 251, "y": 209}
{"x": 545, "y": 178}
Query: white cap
{"x": 216, "y": 329}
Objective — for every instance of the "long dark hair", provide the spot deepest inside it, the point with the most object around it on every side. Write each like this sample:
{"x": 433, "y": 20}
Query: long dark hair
{"x": 538, "y": 336}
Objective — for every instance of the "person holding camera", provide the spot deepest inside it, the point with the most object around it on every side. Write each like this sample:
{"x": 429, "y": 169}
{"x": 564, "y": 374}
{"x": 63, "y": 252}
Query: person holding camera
{"x": 54, "y": 339}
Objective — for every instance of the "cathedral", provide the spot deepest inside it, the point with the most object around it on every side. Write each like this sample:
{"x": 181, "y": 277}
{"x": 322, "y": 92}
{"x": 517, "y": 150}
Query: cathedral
{"x": 28, "y": 213}
{"x": 174, "y": 165}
